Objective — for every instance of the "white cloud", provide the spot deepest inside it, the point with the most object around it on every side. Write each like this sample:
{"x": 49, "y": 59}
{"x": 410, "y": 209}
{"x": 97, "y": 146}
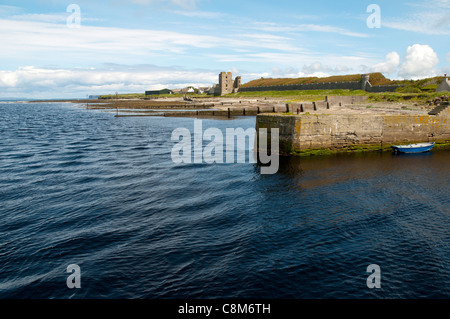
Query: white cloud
{"x": 44, "y": 82}
{"x": 187, "y": 4}
{"x": 290, "y": 59}
{"x": 448, "y": 57}
{"x": 274, "y": 27}
{"x": 41, "y": 42}
{"x": 200, "y": 14}
{"x": 443, "y": 3}
{"x": 29, "y": 37}
{"x": 315, "y": 69}
{"x": 8, "y": 10}
{"x": 390, "y": 65}
{"x": 290, "y": 72}
{"x": 430, "y": 17}
{"x": 432, "y": 24}
{"x": 49, "y": 17}
{"x": 418, "y": 62}
{"x": 234, "y": 70}
{"x": 331, "y": 29}
{"x": 306, "y": 17}
{"x": 320, "y": 70}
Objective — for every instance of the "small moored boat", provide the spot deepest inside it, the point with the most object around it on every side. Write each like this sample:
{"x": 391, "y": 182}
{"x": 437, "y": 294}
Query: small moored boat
{"x": 413, "y": 148}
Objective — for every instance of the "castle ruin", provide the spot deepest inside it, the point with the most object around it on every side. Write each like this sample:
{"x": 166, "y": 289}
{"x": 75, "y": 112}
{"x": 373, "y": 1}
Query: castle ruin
{"x": 227, "y": 85}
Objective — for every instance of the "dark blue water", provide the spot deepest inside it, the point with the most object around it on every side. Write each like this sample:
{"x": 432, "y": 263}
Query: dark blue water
{"x": 82, "y": 187}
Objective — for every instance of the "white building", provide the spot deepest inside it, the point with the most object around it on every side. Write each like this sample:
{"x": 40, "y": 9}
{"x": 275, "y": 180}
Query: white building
{"x": 444, "y": 86}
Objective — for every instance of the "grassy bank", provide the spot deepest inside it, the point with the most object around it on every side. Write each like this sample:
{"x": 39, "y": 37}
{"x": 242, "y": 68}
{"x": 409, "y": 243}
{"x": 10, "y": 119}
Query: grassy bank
{"x": 319, "y": 95}
{"x": 375, "y": 79}
{"x": 293, "y": 96}
{"x": 408, "y": 86}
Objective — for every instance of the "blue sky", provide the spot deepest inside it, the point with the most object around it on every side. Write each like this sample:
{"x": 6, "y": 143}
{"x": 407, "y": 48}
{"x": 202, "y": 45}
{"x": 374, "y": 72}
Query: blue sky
{"x": 133, "y": 46}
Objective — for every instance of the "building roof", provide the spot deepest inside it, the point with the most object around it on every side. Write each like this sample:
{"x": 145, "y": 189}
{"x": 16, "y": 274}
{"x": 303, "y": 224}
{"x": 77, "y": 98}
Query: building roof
{"x": 187, "y": 90}
{"x": 163, "y": 91}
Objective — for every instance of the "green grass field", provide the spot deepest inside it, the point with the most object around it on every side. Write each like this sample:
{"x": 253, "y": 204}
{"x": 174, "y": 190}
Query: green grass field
{"x": 319, "y": 95}
{"x": 303, "y": 96}
{"x": 293, "y": 96}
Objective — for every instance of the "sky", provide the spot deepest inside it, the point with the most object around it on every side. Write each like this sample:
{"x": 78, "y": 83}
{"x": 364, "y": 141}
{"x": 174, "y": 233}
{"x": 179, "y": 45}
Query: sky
{"x": 69, "y": 49}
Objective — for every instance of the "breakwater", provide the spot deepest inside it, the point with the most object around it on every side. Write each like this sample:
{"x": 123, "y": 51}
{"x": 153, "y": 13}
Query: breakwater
{"x": 222, "y": 113}
{"x": 303, "y": 133}
{"x": 249, "y": 108}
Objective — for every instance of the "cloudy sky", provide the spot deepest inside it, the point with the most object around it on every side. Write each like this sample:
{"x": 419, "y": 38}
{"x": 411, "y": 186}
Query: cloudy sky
{"x": 59, "y": 49}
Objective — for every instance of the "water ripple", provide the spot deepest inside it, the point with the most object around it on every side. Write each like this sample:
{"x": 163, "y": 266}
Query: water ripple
{"x": 102, "y": 192}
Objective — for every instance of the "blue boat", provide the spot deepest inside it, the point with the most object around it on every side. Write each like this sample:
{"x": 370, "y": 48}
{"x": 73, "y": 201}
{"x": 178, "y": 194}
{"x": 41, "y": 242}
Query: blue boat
{"x": 413, "y": 148}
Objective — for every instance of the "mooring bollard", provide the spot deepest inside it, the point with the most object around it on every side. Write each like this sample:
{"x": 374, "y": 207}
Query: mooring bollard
{"x": 229, "y": 113}
{"x": 298, "y": 111}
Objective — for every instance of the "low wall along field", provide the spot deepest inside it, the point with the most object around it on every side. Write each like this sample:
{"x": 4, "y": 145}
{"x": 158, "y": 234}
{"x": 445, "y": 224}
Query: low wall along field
{"x": 321, "y": 86}
{"x": 366, "y": 131}
{"x": 312, "y": 86}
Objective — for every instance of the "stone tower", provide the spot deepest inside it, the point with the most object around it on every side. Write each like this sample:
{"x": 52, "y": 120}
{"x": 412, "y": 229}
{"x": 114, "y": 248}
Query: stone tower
{"x": 237, "y": 84}
{"x": 225, "y": 83}
{"x": 365, "y": 81}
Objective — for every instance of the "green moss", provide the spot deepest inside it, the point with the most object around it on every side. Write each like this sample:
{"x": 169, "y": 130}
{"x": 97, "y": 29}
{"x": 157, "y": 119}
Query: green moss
{"x": 285, "y": 147}
{"x": 313, "y": 152}
{"x": 440, "y": 145}
{"x": 349, "y": 149}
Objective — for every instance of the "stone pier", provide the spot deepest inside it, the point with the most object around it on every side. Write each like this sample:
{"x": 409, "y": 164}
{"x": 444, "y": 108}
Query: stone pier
{"x": 334, "y": 132}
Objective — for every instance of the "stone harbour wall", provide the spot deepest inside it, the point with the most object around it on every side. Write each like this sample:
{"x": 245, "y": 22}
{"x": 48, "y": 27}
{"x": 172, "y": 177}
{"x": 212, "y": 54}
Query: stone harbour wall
{"x": 334, "y": 132}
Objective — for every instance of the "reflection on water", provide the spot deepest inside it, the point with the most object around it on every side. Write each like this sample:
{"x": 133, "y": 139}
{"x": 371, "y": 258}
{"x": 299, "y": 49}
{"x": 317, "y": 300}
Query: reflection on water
{"x": 342, "y": 167}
